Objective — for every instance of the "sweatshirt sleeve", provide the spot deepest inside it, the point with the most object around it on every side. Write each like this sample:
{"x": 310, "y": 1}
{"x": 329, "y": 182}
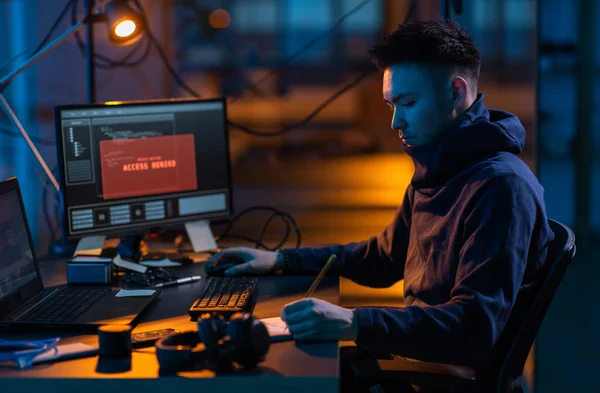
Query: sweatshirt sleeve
{"x": 377, "y": 262}
{"x": 492, "y": 259}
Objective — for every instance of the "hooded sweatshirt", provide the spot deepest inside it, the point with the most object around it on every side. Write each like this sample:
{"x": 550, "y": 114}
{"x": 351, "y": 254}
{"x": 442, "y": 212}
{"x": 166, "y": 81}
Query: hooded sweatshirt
{"x": 471, "y": 230}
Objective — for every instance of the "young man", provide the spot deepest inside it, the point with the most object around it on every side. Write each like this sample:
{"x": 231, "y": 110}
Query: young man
{"x": 472, "y": 227}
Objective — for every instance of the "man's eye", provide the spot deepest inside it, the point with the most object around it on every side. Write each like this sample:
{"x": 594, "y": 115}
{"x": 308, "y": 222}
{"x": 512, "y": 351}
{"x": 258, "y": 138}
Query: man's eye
{"x": 408, "y": 104}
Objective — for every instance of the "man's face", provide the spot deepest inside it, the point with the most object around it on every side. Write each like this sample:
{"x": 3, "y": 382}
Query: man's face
{"x": 420, "y": 102}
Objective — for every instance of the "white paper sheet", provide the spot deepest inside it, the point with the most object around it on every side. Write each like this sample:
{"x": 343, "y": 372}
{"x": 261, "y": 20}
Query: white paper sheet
{"x": 63, "y": 351}
{"x": 165, "y": 262}
{"x": 277, "y": 329}
{"x": 135, "y": 292}
{"x": 129, "y": 265}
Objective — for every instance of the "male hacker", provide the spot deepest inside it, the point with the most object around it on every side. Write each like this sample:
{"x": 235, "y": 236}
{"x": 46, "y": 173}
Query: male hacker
{"x": 472, "y": 227}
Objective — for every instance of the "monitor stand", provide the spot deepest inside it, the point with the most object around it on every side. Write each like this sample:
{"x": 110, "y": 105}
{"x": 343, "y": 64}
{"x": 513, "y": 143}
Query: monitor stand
{"x": 136, "y": 248}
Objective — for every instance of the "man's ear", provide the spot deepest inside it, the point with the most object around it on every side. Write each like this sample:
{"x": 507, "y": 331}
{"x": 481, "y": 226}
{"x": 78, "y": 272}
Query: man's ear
{"x": 459, "y": 88}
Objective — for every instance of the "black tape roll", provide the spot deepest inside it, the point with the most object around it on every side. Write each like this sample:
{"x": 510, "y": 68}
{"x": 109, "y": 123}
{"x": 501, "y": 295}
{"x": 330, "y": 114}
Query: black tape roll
{"x": 114, "y": 341}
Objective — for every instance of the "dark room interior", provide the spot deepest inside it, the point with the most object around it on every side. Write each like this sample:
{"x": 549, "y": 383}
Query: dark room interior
{"x": 143, "y": 140}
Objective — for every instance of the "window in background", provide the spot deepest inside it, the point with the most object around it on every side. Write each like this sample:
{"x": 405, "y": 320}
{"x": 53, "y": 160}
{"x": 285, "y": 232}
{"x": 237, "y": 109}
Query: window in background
{"x": 560, "y": 167}
{"x": 361, "y": 28}
{"x": 558, "y": 108}
{"x": 304, "y": 19}
{"x": 519, "y": 43}
{"x": 262, "y": 33}
{"x": 257, "y": 16}
{"x": 504, "y": 32}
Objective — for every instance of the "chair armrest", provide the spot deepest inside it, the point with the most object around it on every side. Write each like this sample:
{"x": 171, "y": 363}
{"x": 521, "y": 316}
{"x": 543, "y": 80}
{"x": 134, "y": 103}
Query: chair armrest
{"x": 419, "y": 373}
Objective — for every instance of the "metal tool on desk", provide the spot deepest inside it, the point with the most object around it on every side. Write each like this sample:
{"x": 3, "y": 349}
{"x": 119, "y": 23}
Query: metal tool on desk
{"x": 178, "y": 281}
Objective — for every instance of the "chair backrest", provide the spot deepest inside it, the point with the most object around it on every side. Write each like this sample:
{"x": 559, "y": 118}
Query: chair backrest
{"x": 528, "y": 312}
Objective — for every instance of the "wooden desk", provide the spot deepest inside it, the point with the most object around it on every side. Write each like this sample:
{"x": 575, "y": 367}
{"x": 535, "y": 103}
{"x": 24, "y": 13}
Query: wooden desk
{"x": 290, "y": 366}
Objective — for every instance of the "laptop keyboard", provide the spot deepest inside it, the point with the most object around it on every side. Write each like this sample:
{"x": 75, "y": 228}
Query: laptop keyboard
{"x": 64, "y": 305}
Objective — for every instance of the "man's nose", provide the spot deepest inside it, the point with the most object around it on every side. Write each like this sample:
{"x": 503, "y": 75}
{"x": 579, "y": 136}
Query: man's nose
{"x": 398, "y": 122}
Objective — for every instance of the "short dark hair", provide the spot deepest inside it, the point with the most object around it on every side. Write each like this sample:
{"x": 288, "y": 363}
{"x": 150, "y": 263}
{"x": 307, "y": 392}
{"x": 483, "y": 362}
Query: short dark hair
{"x": 432, "y": 42}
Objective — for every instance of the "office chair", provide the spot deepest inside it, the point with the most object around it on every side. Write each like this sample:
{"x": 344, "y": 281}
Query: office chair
{"x": 504, "y": 370}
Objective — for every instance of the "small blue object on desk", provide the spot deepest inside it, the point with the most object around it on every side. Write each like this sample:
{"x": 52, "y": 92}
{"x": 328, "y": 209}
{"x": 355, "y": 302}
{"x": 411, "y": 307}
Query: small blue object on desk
{"x": 89, "y": 270}
{"x": 23, "y": 352}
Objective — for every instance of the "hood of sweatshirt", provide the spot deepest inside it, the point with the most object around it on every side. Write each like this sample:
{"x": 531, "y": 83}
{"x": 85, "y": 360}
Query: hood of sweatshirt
{"x": 478, "y": 133}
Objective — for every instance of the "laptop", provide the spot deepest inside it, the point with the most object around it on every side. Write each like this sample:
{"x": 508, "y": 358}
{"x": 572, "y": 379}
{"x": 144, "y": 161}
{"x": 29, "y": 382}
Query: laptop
{"x": 25, "y": 303}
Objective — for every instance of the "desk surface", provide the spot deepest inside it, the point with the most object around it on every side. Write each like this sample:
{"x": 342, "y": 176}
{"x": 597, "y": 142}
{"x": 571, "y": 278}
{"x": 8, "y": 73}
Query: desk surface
{"x": 287, "y": 359}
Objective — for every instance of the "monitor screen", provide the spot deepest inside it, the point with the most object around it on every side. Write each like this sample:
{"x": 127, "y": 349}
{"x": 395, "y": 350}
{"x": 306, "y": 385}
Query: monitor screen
{"x": 131, "y": 167}
{"x": 17, "y": 266}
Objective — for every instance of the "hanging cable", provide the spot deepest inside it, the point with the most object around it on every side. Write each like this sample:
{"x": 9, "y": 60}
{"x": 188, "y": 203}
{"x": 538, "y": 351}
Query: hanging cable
{"x": 311, "y": 116}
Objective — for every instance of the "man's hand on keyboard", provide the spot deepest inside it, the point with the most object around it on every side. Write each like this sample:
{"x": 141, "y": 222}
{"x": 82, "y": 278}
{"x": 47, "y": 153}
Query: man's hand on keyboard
{"x": 252, "y": 261}
{"x": 312, "y": 319}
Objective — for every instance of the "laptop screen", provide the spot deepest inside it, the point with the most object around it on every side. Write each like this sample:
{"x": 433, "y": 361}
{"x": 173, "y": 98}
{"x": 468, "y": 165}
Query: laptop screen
{"x": 17, "y": 266}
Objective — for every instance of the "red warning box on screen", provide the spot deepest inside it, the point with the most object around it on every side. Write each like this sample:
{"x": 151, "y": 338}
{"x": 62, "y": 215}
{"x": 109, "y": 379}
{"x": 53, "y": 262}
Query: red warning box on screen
{"x": 144, "y": 166}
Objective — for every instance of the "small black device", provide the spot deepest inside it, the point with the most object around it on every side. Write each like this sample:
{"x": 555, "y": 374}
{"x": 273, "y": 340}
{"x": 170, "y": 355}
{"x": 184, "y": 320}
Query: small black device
{"x": 226, "y": 295}
{"x": 26, "y": 304}
{"x": 222, "y": 263}
{"x": 223, "y": 342}
{"x": 148, "y": 339}
{"x": 114, "y": 341}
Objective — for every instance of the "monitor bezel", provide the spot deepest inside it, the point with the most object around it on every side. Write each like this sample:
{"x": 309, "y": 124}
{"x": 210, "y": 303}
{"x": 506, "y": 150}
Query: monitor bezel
{"x": 11, "y": 302}
{"x": 145, "y": 229}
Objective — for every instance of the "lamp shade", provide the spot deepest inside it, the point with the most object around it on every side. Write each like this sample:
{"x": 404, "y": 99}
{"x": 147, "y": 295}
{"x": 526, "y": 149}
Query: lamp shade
{"x": 125, "y": 26}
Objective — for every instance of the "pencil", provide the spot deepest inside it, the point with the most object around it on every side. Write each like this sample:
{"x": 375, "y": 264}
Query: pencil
{"x": 320, "y": 277}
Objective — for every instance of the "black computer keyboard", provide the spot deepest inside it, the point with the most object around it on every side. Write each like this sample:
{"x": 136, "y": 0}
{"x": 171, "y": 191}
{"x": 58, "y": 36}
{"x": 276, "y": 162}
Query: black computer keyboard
{"x": 226, "y": 295}
{"x": 64, "y": 305}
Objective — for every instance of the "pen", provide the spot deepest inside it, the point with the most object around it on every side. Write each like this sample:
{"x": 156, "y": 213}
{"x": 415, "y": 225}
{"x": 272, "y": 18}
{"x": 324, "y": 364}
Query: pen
{"x": 179, "y": 281}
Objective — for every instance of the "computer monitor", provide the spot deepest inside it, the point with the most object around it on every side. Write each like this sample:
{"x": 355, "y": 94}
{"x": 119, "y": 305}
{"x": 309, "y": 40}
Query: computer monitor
{"x": 133, "y": 168}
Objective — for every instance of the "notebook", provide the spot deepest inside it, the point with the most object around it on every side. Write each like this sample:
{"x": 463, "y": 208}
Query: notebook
{"x": 277, "y": 329}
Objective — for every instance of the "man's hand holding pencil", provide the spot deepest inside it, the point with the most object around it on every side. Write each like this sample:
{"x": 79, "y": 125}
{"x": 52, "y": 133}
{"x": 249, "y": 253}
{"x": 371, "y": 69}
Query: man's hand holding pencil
{"x": 311, "y": 319}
